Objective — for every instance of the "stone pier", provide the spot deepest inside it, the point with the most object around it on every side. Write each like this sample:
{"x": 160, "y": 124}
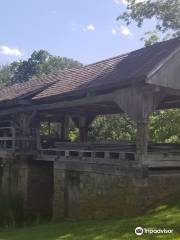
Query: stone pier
{"x": 32, "y": 181}
{"x": 89, "y": 194}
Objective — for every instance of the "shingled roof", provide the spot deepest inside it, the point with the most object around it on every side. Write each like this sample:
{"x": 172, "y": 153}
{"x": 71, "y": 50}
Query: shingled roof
{"x": 114, "y": 72}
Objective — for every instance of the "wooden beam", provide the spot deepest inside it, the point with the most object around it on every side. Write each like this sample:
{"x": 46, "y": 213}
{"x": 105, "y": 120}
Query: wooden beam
{"x": 62, "y": 104}
{"x": 137, "y": 102}
{"x": 83, "y": 129}
{"x": 83, "y": 123}
{"x": 142, "y": 142}
{"x": 125, "y": 98}
{"x": 65, "y": 128}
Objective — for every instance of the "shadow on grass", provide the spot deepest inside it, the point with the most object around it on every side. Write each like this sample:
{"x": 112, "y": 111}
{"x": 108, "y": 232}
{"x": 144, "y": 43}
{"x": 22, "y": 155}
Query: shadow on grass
{"x": 165, "y": 216}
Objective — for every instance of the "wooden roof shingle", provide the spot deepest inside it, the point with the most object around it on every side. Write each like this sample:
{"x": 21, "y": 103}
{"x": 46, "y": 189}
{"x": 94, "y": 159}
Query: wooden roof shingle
{"x": 120, "y": 70}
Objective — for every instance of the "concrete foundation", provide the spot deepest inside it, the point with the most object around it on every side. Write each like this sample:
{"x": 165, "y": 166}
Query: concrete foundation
{"x": 33, "y": 181}
{"x": 53, "y": 189}
{"x": 90, "y": 194}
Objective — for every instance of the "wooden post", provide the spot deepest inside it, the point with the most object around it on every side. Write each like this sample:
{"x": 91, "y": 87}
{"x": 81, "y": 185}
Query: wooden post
{"x": 37, "y": 125}
{"x": 13, "y": 138}
{"x": 83, "y": 129}
{"x": 24, "y": 122}
{"x": 59, "y": 130}
{"x": 49, "y": 128}
{"x": 83, "y": 123}
{"x": 83, "y": 134}
{"x": 6, "y": 180}
{"x": 65, "y": 128}
{"x": 142, "y": 141}
{"x": 138, "y": 103}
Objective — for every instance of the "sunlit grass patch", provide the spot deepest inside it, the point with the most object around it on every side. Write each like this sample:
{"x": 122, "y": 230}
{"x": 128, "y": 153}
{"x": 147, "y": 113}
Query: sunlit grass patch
{"x": 165, "y": 216}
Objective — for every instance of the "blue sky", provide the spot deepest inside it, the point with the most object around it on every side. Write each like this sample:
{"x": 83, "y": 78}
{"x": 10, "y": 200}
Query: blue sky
{"x": 85, "y": 30}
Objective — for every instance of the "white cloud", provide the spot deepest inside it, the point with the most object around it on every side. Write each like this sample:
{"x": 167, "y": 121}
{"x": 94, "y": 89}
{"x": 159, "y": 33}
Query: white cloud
{"x": 89, "y": 27}
{"x": 124, "y": 30}
{"x": 139, "y": 1}
{"x": 125, "y": 2}
{"x": 117, "y": 1}
{"x": 114, "y": 31}
{"x": 4, "y": 50}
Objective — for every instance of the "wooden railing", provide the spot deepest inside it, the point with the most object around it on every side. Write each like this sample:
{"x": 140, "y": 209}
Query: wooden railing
{"x": 159, "y": 155}
{"x": 12, "y": 141}
{"x": 89, "y": 155}
{"x": 7, "y": 138}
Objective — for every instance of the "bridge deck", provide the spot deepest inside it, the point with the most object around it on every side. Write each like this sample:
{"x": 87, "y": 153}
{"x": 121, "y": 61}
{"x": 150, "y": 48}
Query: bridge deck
{"x": 159, "y": 155}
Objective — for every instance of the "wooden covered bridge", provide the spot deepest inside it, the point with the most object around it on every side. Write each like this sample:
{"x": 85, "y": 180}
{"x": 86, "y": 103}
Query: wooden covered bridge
{"x": 85, "y": 179}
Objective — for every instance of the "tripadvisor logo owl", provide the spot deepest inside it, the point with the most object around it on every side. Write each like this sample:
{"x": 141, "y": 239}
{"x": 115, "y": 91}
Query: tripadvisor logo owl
{"x": 139, "y": 231}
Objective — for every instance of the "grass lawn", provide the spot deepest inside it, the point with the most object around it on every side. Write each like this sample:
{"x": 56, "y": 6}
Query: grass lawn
{"x": 165, "y": 216}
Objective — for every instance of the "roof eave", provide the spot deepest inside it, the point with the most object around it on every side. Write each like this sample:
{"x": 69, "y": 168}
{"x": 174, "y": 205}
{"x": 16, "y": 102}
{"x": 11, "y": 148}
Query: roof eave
{"x": 158, "y": 67}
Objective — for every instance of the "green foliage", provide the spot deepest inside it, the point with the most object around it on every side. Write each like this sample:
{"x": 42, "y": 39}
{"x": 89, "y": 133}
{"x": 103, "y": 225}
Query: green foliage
{"x": 166, "y": 215}
{"x": 49, "y": 128}
{"x": 5, "y": 74}
{"x": 55, "y": 63}
{"x": 165, "y": 126}
{"x": 150, "y": 38}
{"x": 112, "y": 127}
{"x": 41, "y": 62}
{"x": 165, "y": 12}
{"x": 74, "y": 134}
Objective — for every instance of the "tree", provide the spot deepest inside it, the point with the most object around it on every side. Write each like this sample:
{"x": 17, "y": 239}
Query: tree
{"x": 167, "y": 16}
{"x": 112, "y": 127}
{"x": 5, "y": 74}
{"x": 165, "y": 12}
{"x": 164, "y": 125}
{"x": 40, "y": 62}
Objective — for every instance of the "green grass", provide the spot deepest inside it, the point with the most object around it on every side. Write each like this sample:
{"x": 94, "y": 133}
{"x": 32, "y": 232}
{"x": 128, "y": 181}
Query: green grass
{"x": 165, "y": 216}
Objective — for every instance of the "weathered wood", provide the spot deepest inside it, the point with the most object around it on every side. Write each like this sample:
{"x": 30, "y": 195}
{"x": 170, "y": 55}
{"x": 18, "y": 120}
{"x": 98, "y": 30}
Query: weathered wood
{"x": 164, "y": 164}
{"x": 137, "y": 102}
{"x": 37, "y": 125}
{"x": 125, "y": 98}
{"x": 62, "y": 104}
{"x": 65, "y": 128}
{"x": 83, "y": 123}
{"x": 108, "y": 156}
{"x": 83, "y": 134}
{"x": 142, "y": 142}
{"x": 156, "y": 156}
{"x": 25, "y": 129}
{"x": 166, "y": 74}
{"x": 49, "y": 128}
